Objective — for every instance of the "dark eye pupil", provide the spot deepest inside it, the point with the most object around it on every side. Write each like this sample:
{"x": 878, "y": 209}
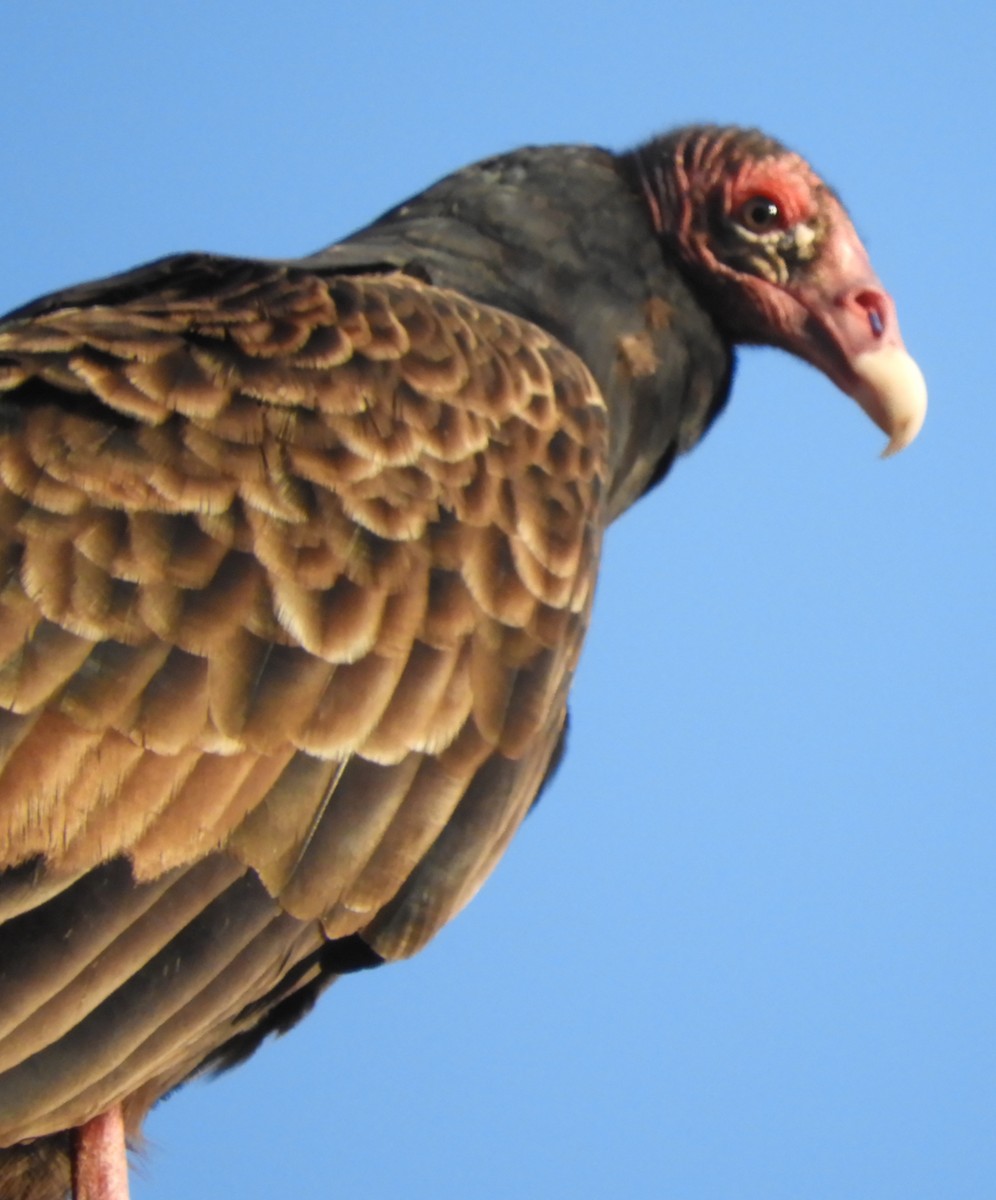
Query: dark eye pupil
{"x": 760, "y": 214}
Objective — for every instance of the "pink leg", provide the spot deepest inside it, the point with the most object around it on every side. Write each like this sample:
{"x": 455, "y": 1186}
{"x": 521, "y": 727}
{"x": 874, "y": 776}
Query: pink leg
{"x": 100, "y": 1161}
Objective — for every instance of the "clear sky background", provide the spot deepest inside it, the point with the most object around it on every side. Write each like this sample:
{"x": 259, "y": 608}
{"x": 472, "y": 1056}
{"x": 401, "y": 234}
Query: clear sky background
{"x": 744, "y": 949}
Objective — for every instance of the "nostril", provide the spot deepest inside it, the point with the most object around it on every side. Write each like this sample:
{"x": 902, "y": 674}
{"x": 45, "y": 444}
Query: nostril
{"x": 872, "y": 303}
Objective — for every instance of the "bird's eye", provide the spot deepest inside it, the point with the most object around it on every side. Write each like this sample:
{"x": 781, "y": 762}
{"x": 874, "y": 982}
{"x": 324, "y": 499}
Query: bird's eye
{"x": 761, "y": 214}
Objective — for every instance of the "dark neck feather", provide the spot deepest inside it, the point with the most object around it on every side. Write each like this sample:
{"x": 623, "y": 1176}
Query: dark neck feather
{"x": 563, "y": 236}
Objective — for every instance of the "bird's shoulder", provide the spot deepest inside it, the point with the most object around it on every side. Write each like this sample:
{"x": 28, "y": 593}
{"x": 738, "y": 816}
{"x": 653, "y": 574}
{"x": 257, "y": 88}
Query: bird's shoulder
{"x": 272, "y": 536}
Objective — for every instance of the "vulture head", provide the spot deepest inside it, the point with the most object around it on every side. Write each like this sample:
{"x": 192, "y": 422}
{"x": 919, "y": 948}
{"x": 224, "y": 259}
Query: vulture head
{"x": 772, "y": 247}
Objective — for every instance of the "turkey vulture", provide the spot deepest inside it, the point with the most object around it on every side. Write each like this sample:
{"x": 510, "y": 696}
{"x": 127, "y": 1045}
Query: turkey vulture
{"x": 298, "y": 557}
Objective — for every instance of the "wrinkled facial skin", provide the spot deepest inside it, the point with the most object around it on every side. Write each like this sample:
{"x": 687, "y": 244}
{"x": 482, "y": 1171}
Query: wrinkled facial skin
{"x": 756, "y": 226}
{"x": 769, "y": 223}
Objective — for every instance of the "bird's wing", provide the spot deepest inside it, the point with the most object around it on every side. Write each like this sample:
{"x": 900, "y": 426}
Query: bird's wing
{"x": 293, "y": 566}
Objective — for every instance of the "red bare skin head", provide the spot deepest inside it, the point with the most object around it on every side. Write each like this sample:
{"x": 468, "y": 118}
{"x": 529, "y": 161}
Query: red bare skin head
{"x": 770, "y": 242}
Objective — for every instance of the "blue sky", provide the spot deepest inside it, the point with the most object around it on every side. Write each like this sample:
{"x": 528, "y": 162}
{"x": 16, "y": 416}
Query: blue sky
{"x": 744, "y": 950}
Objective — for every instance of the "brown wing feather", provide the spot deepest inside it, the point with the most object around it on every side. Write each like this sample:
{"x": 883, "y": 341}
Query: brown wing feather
{"x": 295, "y": 569}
